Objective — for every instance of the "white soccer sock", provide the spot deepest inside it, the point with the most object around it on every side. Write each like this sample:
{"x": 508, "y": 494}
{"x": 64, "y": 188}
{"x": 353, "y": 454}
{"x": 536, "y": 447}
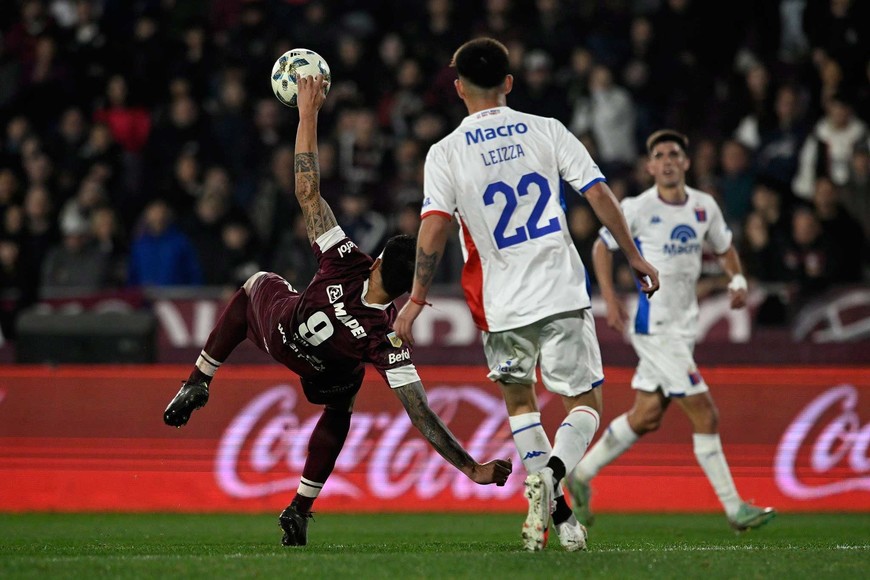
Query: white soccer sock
{"x": 532, "y": 442}
{"x": 308, "y": 488}
{"x": 708, "y": 451}
{"x": 616, "y": 440}
{"x": 206, "y": 364}
{"x": 574, "y": 435}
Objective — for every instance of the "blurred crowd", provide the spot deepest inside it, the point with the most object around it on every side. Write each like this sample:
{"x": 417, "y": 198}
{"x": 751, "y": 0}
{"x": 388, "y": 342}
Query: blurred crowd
{"x": 140, "y": 144}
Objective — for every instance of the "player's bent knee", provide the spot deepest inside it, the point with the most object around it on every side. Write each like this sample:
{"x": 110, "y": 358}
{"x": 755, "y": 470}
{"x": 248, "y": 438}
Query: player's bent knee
{"x": 249, "y": 283}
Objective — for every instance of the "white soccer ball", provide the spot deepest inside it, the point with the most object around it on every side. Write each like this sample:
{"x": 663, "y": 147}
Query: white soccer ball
{"x": 292, "y": 65}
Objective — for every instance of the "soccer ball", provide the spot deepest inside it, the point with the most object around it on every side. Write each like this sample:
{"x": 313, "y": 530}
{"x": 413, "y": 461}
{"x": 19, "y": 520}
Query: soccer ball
{"x": 293, "y": 64}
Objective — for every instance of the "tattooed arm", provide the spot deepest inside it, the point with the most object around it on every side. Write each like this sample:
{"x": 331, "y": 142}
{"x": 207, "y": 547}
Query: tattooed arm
{"x": 431, "y": 240}
{"x": 318, "y": 216}
{"x": 414, "y": 400}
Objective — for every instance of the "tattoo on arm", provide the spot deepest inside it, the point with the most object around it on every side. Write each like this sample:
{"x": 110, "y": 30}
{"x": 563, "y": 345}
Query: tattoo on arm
{"x": 414, "y": 400}
{"x": 426, "y": 264}
{"x": 316, "y": 212}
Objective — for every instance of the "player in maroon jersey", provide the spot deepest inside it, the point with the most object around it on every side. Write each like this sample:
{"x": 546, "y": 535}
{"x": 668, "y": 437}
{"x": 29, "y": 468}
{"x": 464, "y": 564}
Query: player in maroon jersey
{"x": 326, "y": 333}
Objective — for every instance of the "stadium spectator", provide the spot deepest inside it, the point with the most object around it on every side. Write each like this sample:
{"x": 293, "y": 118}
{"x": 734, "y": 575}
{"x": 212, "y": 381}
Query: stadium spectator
{"x": 76, "y": 264}
{"x": 808, "y": 258}
{"x": 609, "y": 115}
{"x": 827, "y": 152}
{"x": 736, "y": 182}
{"x": 161, "y": 255}
{"x": 842, "y": 232}
{"x": 856, "y": 193}
{"x": 779, "y": 143}
{"x": 112, "y": 243}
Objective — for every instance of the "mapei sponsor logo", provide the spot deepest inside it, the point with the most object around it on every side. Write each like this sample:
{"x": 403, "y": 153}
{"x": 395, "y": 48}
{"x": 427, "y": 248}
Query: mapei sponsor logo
{"x": 395, "y": 357}
{"x": 684, "y": 241}
{"x": 482, "y": 134}
{"x": 334, "y": 292}
{"x": 345, "y": 248}
{"x": 356, "y": 329}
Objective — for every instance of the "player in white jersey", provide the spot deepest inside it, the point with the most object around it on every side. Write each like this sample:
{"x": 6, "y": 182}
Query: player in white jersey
{"x": 501, "y": 173}
{"x": 669, "y": 223}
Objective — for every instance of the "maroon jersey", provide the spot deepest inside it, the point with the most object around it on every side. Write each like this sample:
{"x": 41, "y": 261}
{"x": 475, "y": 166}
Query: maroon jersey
{"x": 326, "y": 332}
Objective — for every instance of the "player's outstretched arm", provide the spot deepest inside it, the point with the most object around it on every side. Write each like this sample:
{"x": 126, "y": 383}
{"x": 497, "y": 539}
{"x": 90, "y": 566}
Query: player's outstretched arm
{"x": 413, "y": 398}
{"x": 607, "y": 209}
{"x": 318, "y": 216}
{"x": 431, "y": 240}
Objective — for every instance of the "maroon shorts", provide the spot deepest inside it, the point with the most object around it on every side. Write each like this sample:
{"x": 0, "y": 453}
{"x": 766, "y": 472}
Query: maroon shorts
{"x": 271, "y": 300}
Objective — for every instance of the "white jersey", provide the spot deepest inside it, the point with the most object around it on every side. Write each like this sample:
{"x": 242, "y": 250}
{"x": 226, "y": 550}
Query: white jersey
{"x": 501, "y": 173}
{"x": 670, "y": 237}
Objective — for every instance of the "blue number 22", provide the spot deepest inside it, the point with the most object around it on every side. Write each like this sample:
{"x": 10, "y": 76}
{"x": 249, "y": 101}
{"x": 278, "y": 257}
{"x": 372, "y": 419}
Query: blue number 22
{"x": 532, "y": 229}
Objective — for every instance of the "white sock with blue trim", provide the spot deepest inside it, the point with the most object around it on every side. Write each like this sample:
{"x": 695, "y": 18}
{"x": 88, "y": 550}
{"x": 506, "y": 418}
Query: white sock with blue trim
{"x": 532, "y": 442}
{"x": 574, "y": 435}
{"x": 616, "y": 440}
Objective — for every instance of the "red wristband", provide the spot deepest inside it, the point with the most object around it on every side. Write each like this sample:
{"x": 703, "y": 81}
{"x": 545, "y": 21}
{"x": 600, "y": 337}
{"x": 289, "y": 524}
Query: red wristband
{"x": 419, "y": 302}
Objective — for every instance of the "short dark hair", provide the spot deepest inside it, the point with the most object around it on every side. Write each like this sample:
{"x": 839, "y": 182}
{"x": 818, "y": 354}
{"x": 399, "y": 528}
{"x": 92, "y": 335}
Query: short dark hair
{"x": 398, "y": 262}
{"x": 664, "y": 135}
{"x": 482, "y": 61}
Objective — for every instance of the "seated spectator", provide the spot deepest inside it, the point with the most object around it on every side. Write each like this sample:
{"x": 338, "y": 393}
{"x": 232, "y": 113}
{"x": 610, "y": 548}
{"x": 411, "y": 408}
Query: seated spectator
{"x": 841, "y": 231}
{"x": 110, "y": 240}
{"x": 808, "y": 258}
{"x": 779, "y": 145}
{"x": 76, "y": 263}
{"x": 856, "y": 193}
{"x": 161, "y": 255}
{"x": 736, "y": 183}
{"x": 829, "y": 147}
{"x": 239, "y": 252}
{"x": 362, "y": 224}
{"x": 761, "y": 251}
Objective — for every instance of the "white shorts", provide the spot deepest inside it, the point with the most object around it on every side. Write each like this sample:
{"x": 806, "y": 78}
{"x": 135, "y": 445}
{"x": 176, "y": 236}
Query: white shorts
{"x": 667, "y": 364}
{"x": 565, "y": 344}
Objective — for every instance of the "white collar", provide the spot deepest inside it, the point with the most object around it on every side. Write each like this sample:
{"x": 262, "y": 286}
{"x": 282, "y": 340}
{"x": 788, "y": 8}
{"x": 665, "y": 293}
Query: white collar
{"x": 362, "y": 297}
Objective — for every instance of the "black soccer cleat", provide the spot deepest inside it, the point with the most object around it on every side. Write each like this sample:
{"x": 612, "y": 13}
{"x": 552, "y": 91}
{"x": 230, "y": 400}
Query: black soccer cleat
{"x": 190, "y": 397}
{"x": 295, "y": 526}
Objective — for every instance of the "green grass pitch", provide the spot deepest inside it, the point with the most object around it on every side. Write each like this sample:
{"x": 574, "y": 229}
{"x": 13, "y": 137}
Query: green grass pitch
{"x": 479, "y": 546}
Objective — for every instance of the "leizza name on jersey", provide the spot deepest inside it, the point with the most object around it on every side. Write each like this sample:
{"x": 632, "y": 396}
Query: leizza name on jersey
{"x": 501, "y": 154}
{"x": 684, "y": 240}
{"x": 482, "y": 134}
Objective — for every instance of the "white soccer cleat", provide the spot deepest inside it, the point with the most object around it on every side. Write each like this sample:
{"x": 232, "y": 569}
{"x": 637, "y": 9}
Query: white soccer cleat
{"x": 539, "y": 492}
{"x": 572, "y": 535}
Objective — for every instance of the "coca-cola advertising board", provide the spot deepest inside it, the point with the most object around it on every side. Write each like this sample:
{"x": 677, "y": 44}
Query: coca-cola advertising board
{"x": 88, "y": 438}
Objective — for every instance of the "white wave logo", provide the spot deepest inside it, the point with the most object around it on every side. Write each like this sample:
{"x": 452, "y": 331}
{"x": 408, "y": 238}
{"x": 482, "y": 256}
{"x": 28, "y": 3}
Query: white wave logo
{"x": 843, "y": 437}
{"x": 395, "y": 458}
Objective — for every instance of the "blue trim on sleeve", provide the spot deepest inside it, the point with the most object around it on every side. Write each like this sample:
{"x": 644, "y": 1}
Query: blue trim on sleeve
{"x": 591, "y": 183}
{"x": 598, "y": 382}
